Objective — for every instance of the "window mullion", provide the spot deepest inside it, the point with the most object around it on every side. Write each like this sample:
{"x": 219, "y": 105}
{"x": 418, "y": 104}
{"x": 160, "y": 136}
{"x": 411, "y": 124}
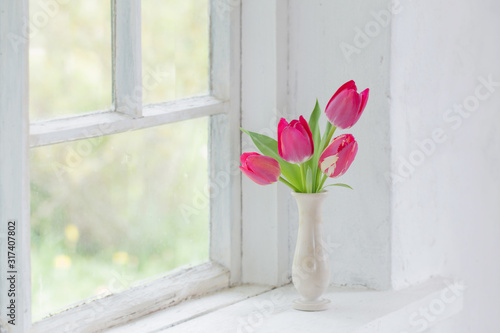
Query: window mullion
{"x": 127, "y": 71}
{"x": 225, "y": 137}
{"x": 15, "y": 276}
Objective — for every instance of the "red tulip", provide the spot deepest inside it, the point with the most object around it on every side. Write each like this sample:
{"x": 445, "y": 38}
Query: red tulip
{"x": 338, "y": 156}
{"x": 263, "y": 170}
{"x": 295, "y": 142}
{"x": 346, "y": 105}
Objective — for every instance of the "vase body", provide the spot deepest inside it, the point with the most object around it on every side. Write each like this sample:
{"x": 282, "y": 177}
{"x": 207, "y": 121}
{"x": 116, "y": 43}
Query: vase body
{"x": 311, "y": 266}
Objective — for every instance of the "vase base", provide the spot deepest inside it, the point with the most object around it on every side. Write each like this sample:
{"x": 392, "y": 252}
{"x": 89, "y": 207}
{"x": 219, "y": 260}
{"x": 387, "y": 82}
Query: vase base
{"x": 319, "y": 305}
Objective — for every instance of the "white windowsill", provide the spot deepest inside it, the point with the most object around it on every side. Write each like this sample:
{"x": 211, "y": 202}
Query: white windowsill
{"x": 95, "y": 315}
{"x": 253, "y": 308}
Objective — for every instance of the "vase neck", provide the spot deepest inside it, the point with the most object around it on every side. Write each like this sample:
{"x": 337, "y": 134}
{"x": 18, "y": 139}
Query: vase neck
{"x": 309, "y": 205}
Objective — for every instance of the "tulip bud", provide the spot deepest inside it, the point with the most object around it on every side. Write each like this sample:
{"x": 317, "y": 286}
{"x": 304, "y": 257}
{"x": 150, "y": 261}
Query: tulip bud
{"x": 263, "y": 170}
{"x": 346, "y": 106}
{"x": 338, "y": 156}
{"x": 295, "y": 142}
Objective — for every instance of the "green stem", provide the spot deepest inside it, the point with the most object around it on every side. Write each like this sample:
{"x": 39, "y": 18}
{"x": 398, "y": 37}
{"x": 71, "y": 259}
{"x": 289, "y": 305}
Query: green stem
{"x": 303, "y": 174}
{"x": 327, "y": 136}
{"x": 314, "y": 173}
{"x": 287, "y": 183}
{"x": 323, "y": 179}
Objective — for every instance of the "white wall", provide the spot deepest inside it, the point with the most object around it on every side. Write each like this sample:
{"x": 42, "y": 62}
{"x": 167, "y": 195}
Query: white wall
{"x": 446, "y": 213}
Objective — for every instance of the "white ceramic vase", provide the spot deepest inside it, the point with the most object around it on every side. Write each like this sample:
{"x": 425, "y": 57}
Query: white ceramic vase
{"x": 311, "y": 266}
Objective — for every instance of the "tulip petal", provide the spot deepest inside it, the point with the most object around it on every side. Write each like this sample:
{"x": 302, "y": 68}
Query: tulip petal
{"x": 346, "y": 157}
{"x": 337, "y": 143}
{"x": 267, "y": 167}
{"x": 254, "y": 177}
{"x": 364, "y": 100}
{"x": 348, "y": 85}
{"x": 305, "y": 124}
{"x": 299, "y": 127}
{"x": 244, "y": 157}
{"x": 281, "y": 126}
{"x": 329, "y": 164}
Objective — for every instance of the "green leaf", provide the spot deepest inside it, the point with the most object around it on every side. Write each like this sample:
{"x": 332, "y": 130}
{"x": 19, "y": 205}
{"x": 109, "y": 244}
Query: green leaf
{"x": 316, "y": 134}
{"x": 339, "y": 184}
{"x": 269, "y": 147}
{"x": 314, "y": 125}
{"x": 309, "y": 184}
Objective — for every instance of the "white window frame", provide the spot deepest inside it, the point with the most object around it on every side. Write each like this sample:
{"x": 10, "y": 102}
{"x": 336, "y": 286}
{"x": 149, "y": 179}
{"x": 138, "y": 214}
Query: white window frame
{"x": 17, "y": 135}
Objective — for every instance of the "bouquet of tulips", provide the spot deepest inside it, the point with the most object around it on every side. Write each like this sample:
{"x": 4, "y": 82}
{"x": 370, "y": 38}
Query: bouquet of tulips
{"x": 302, "y": 158}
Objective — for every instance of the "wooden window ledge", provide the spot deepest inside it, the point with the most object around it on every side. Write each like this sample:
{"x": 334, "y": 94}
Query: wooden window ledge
{"x": 253, "y": 308}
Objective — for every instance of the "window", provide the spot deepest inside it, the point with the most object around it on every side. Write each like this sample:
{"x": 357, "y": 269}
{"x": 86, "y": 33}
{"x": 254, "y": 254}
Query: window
{"x": 189, "y": 127}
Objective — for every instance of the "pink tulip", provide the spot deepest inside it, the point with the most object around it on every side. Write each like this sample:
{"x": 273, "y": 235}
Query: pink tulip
{"x": 338, "y": 156}
{"x": 263, "y": 170}
{"x": 295, "y": 142}
{"x": 346, "y": 105}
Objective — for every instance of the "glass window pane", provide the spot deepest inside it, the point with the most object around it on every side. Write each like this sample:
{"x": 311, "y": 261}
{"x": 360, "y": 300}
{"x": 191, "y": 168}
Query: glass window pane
{"x": 175, "y": 52}
{"x": 70, "y": 57}
{"x": 110, "y": 211}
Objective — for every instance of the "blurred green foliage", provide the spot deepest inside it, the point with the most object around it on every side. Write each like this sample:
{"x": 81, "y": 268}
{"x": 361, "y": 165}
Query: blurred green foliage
{"x": 70, "y": 58}
{"x": 175, "y": 43}
{"x": 110, "y": 211}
